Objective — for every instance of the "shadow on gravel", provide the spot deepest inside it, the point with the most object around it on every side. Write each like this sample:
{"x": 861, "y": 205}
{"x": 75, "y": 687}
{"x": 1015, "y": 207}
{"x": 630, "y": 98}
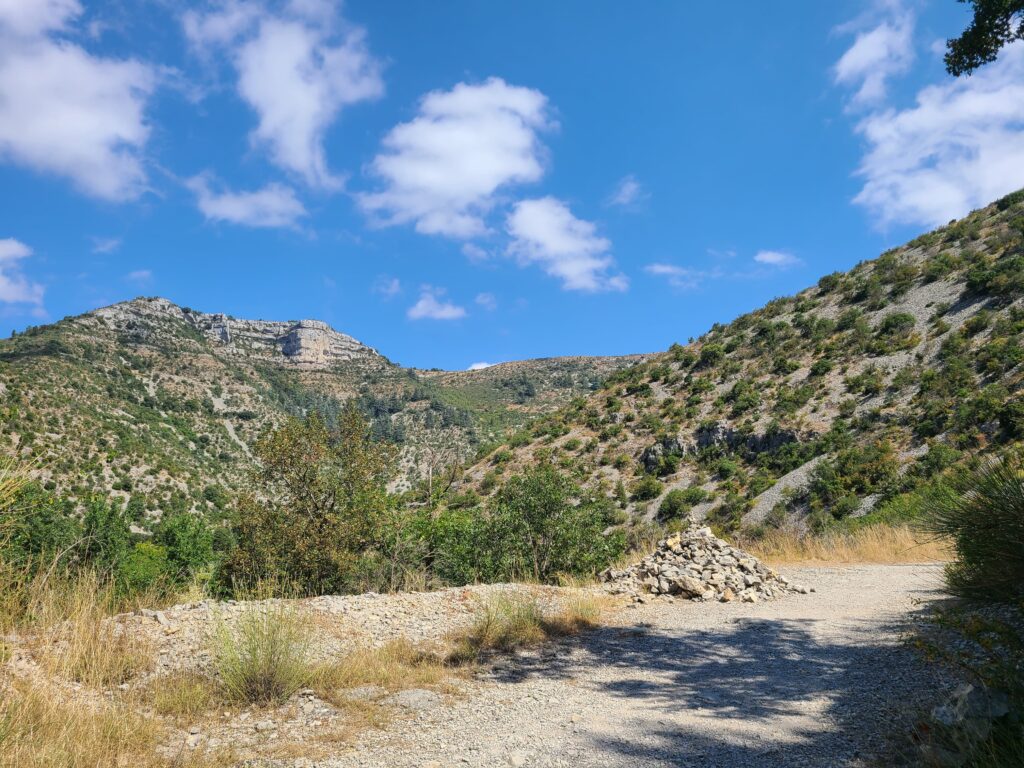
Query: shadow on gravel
{"x": 754, "y": 673}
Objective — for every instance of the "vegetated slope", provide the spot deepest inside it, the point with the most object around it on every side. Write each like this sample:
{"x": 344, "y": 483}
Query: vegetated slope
{"x": 815, "y": 407}
{"x": 149, "y": 400}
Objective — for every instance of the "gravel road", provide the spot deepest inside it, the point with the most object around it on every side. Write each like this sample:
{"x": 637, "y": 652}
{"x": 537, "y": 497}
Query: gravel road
{"x": 808, "y": 680}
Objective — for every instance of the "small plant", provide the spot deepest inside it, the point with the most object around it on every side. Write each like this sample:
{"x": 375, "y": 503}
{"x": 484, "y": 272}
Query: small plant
{"x": 509, "y": 622}
{"x": 264, "y": 659}
{"x": 984, "y": 518}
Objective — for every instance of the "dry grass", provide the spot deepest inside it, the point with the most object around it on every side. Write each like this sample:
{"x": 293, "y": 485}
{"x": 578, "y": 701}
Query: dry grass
{"x": 184, "y": 695}
{"x": 40, "y": 730}
{"x": 870, "y": 544}
{"x": 80, "y": 642}
{"x": 394, "y": 666}
{"x": 513, "y": 621}
{"x": 264, "y": 657}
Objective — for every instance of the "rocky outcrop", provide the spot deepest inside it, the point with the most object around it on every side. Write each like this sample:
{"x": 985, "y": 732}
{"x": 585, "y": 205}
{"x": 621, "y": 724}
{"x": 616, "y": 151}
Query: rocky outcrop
{"x": 699, "y": 566}
{"x": 303, "y": 343}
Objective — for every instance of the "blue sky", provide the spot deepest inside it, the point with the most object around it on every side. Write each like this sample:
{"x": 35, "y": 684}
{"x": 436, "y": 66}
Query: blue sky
{"x": 465, "y": 182}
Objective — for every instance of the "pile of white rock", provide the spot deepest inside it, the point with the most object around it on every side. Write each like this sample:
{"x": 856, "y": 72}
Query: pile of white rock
{"x": 699, "y": 566}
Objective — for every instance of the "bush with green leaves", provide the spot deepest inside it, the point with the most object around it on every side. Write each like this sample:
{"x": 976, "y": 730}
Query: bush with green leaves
{"x": 983, "y": 515}
{"x": 543, "y": 525}
{"x": 322, "y": 496}
{"x": 646, "y": 488}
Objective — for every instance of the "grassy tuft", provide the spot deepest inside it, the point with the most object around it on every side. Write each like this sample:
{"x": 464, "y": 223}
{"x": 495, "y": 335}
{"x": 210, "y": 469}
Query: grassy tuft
{"x": 264, "y": 658}
{"x": 394, "y": 666}
{"x": 513, "y": 621}
{"x": 182, "y": 695}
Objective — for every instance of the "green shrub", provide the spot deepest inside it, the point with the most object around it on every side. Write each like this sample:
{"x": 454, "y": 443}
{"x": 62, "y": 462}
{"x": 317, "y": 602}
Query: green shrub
{"x": 264, "y": 658}
{"x": 144, "y": 568}
{"x": 646, "y": 488}
{"x": 984, "y": 518}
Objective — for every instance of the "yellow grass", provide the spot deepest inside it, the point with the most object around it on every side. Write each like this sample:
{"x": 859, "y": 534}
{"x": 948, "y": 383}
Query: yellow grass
{"x": 511, "y": 621}
{"x": 870, "y": 544}
{"x": 38, "y": 729}
{"x": 80, "y": 642}
{"x": 393, "y": 666}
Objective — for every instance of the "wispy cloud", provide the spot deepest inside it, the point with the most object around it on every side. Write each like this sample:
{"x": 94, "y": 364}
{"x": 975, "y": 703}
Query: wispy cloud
{"x": 628, "y": 193}
{"x": 66, "y": 112}
{"x": 681, "y": 278}
{"x": 545, "y": 232}
{"x": 780, "y": 259}
{"x": 275, "y": 205}
{"x": 959, "y": 145}
{"x": 487, "y": 301}
{"x": 387, "y": 286}
{"x": 881, "y": 51}
{"x": 442, "y": 170}
{"x": 297, "y": 68}
{"x": 140, "y": 277}
{"x": 479, "y": 366}
{"x": 15, "y": 287}
{"x": 765, "y": 263}
{"x": 431, "y": 307}
{"x": 105, "y": 244}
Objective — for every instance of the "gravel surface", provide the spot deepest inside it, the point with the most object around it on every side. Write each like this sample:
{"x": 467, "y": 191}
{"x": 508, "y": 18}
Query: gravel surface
{"x": 810, "y": 680}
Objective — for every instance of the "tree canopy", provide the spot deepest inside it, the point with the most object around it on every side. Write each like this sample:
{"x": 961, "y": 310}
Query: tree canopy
{"x": 996, "y": 23}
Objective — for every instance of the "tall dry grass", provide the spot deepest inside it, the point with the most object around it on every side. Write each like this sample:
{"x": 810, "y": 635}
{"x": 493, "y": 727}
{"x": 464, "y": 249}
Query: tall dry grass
{"x": 507, "y": 622}
{"x": 870, "y": 544}
{"x": 265, "y": 656}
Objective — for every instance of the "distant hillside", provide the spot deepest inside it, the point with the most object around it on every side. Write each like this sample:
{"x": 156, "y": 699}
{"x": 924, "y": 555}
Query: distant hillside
{"x": 160, "y": 402}
{"x": 816, "y": 406}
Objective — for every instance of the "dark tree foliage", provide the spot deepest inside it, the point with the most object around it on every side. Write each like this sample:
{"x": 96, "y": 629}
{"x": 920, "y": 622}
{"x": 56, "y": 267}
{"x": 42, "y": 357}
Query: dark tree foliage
{"x": 996, "y": 23}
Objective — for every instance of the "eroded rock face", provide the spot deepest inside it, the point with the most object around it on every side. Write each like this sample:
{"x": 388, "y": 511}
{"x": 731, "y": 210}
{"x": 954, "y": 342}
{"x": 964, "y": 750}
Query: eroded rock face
{"x": 699, "y": 566}
{"x": 303, "y": 343}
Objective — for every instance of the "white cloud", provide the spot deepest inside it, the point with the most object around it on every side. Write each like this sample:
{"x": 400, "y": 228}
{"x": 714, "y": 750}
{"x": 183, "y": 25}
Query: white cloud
{"x": 479, "y": 366}
{"x": 15, "y": 288}
{"x": 66, "y": 112}
{"x": 32, "y": 18}
{"x": 274, "y": 205}
{"x": 141, "y": 277}
{"x": 487, "y": 301}
{"x": 682, "y": 278}
{"x": 545, "y": 232}
{"x": 297, "y": 69}
{"x": 959, "y": 147}
{"x": 442, "y": 170}
{"x": 628, "y": 192}
{"x": 431, "y": 307}
{"x": 877, "y": 54}
{"x": 105, "y": 244}
{"x": 776, "y": 259}
{"x": 387, "y": 286}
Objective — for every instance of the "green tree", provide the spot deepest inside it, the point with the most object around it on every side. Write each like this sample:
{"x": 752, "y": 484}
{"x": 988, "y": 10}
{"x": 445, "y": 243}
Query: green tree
{"x": 107, "y": 535}
{"x": 996, "y": 23}
{"x": 544, "y": 525}
{"x": 321, "y": 497}
{"x": 188, "y": 542}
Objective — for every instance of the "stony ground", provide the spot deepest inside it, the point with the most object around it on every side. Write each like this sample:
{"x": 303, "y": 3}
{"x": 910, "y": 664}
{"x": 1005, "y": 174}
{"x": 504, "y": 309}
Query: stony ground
{"x": 808, "y": 680}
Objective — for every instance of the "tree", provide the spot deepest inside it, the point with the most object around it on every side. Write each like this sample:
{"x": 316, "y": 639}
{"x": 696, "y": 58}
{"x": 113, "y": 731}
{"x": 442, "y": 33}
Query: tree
{"x": 543, "y": 525}
{"x": 996, "y": 23}
{"x": 321, "y": 498}
{"x": 107, "y": 537}
{"x": 188, "y": 542}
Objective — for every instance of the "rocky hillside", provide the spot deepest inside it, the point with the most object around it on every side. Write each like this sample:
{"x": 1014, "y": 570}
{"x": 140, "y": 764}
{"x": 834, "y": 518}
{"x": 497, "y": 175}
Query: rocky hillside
{"x": 817, "y": 406}
{"x": 150, "y": 400}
